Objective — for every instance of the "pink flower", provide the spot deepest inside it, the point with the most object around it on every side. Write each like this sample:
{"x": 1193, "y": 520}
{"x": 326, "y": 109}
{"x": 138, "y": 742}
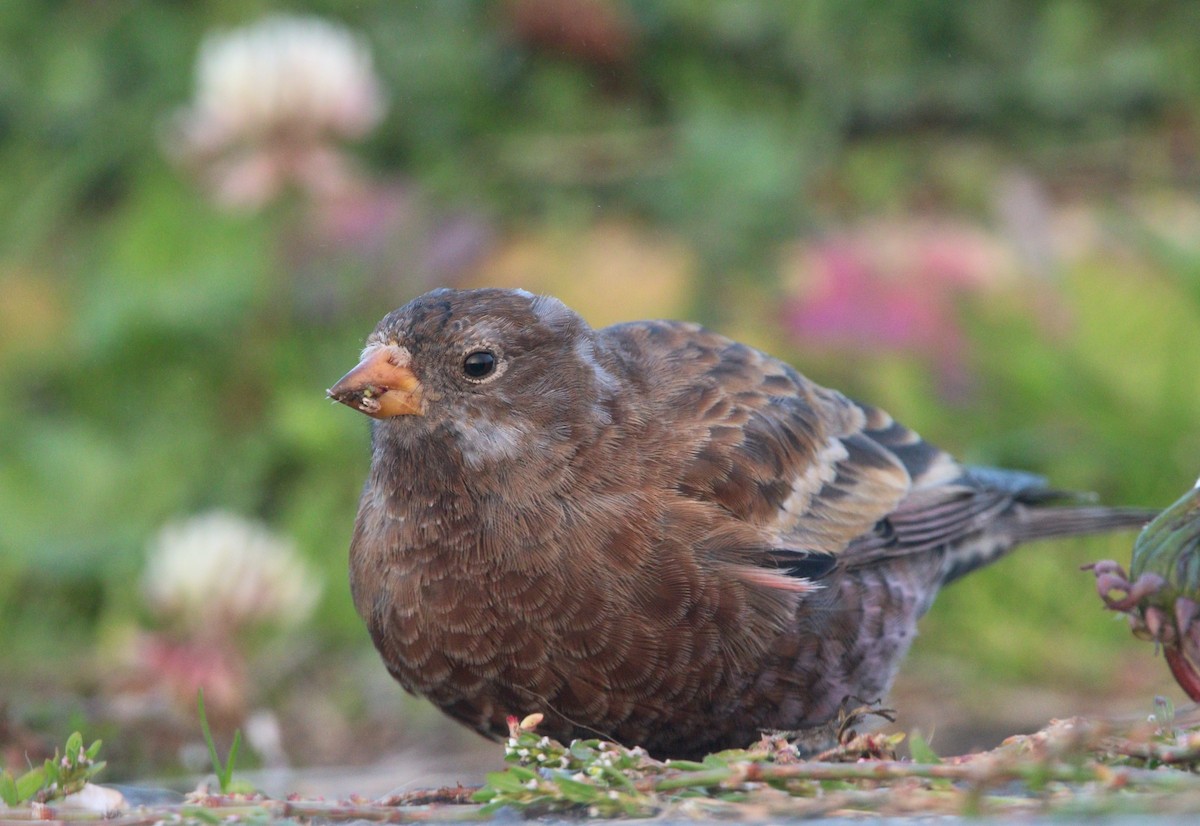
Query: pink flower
{"x": 892, "y": 286}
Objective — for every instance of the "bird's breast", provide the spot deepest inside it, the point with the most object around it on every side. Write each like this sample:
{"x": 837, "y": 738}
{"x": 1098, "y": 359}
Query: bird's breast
{"x": 488, "y": 618}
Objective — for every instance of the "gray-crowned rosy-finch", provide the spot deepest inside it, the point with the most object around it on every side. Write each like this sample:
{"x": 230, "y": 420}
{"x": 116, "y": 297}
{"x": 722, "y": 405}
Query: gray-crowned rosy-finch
{"x": 649, "y": 532}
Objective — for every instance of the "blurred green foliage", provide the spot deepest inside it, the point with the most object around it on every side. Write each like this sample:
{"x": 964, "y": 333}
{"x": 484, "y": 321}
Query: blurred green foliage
{"x": 160, "y": 356}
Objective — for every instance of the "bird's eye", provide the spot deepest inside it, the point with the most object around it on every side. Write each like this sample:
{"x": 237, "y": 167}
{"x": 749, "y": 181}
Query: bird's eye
{"x": 479, "y": 364}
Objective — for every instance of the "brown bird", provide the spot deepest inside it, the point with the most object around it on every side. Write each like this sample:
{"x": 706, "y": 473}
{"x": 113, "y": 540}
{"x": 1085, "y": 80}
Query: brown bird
{"x": 649, "y": 532}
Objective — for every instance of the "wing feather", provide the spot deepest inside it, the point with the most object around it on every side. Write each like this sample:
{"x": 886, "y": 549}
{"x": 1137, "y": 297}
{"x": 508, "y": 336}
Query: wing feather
{"x": 816, "y": 479}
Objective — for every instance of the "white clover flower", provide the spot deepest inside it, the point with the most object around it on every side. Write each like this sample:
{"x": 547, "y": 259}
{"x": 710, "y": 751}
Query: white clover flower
{"x": 217, "y": 571}
{"x": 271, "y": 99}
{"x": 286, "y": 76}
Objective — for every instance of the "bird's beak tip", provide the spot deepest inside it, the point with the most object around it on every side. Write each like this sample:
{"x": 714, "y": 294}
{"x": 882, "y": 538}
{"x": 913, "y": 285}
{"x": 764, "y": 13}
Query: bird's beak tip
{"x": 379, "y": 387}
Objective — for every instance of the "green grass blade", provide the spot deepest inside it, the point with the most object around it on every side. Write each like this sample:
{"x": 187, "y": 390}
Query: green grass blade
{"x": 218, "y": 769}
{"x": 227, "y": 775}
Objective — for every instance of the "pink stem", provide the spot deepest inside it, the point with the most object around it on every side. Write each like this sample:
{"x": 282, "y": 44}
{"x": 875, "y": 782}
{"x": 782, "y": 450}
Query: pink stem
{"x": 1184, "y": 673}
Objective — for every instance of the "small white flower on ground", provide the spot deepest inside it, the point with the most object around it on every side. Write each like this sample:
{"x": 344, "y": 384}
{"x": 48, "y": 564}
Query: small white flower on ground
{"x": 99, "y": 799}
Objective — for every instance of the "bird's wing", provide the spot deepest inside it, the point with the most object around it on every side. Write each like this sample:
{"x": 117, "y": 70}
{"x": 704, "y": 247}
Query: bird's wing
{"x": 825, "y": 481}
{"x": 781, "y": 454}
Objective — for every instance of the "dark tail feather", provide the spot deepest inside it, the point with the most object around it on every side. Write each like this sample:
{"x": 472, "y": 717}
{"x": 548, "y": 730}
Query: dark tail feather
{"x": 1030, "y": 523}
{"x": 1042, "y": 512}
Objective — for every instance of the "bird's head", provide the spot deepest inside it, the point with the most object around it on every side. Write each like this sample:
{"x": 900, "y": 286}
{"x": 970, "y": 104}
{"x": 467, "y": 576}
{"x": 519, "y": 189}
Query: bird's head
{"x": 498, "y": 370}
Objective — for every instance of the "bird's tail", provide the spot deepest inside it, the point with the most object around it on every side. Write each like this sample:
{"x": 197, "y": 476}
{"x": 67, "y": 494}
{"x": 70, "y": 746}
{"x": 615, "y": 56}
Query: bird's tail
{"x": 1035, "y": 512}
{"x": 1030, "y": 523}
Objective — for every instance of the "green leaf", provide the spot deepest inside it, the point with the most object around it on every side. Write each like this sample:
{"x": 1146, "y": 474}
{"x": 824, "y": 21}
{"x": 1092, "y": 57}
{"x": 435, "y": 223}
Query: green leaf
{"x": 686, "y": 765}
{"x": 223, "y": 771}
{"x": 8, "y": 789}
{"x": 227, "y": 773}
{"x": 218, "y": 769}
{"x": 504, "y": 781}
{"x": 522, "y": 773}
{"x": 619, "y": 778}
{"x": 496, "y": 805}
{"x": 920, "y": 750}
{"x": 484, "y": 794}
{"x": 29, "y": 783}
{"x": 584, "y": 750}
{"x": 575, "y": 791}
{"x": 74, "y": 745}
{"x": 93, "y": 750}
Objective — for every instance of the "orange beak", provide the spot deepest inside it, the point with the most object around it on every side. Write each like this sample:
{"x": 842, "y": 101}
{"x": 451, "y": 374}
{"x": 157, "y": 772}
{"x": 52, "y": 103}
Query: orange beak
{"x": 382, "y": 385}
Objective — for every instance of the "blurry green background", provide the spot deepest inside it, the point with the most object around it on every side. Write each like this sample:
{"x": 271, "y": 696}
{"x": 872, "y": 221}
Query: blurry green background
{"x": 982, "y": 217}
